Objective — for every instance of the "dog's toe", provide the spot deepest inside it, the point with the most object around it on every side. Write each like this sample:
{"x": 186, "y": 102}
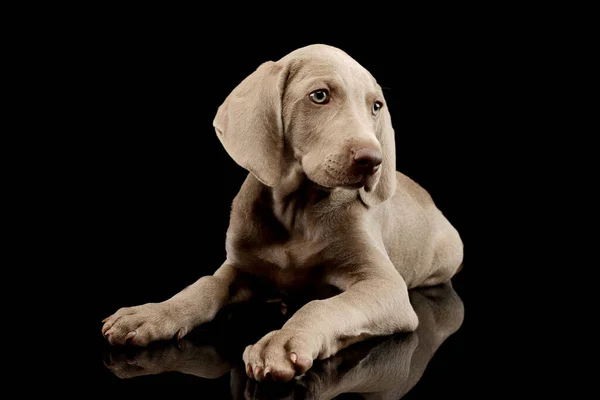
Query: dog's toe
{"x": 302, "y": 363}
{"x": 279, "y": 356}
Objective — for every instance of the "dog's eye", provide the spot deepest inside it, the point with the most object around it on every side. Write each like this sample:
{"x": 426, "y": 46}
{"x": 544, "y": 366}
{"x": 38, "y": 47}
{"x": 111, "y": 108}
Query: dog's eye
{"x": 320, "y": 96}
{"x": 376, "y": 107}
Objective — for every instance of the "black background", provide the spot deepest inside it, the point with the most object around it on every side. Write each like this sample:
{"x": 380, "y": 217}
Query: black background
{"x": 157, "y": 188}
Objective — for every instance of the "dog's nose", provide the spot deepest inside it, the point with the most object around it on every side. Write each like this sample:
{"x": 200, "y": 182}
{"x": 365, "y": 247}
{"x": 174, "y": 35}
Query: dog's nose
{"x": 366, "y": 160}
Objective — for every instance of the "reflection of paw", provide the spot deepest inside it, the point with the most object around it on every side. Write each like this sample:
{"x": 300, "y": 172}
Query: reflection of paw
{"x": 183, "y": 356}
{"x": 281, "y": 354}
{"x": 323, "y": 380}
{"x": 381, "y": 363}
{"x": 317, "y": 383}
{"x": 144, "y": 361}
{"x": 141, "y": 325}
{"x": 269, "y": 390}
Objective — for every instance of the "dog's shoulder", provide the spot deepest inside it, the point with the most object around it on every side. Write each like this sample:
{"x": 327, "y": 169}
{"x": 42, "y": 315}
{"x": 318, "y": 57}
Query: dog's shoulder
{"x": 252, "y": 213}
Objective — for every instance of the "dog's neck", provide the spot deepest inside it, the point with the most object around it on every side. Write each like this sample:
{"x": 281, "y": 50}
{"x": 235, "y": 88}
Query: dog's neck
{"x": 295, "y": 195}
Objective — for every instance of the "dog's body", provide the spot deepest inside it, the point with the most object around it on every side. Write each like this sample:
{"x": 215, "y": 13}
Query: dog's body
{"x": 299, "y": 244}
{"x": 323, "y": 214}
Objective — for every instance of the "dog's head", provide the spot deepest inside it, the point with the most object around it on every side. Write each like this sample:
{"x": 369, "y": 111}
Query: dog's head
{"x": 317, "y": 107}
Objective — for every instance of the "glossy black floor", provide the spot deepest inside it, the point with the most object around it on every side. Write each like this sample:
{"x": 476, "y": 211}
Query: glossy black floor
{"x": 422, "y": 364}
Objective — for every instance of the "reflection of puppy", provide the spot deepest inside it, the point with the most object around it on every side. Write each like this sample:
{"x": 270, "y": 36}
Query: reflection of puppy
{"x": 388, "y": 367}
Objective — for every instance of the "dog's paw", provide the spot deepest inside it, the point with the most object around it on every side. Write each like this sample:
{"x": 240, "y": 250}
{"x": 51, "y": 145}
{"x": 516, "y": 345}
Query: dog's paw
{"x": 143, "y": 324}
{"x": 281, "y": 355}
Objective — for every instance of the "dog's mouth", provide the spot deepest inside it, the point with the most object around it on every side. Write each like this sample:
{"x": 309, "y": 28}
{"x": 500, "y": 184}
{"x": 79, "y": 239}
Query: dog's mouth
{"x": 340, "y": 171}
{"x": 367, "y": 181}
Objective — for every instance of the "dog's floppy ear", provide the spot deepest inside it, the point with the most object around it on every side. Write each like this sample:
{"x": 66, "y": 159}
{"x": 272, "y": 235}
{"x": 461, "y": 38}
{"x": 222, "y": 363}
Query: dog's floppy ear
{"x": 386, "y": 186}
{"x": 249, "y": 122}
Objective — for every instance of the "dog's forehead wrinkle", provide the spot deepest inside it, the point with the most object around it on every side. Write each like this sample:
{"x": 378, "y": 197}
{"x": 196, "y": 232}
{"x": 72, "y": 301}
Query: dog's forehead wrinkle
{"x": 332, "y": 62}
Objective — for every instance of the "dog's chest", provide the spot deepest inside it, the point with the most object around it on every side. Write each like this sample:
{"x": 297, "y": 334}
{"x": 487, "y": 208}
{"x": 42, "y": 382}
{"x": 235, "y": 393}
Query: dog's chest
{"x": 293, "y": 255}
{"x": 291, "y": 267}
{"x": 296, "y": 254}
{"x": 282, "y": 241}
{"x": 283, "y": 257}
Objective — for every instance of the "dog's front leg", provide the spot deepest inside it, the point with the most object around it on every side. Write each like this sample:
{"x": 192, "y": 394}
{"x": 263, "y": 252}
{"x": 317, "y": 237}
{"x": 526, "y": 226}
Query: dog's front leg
{"x": 375, "y": 303}
{"x": 193, "y": 306}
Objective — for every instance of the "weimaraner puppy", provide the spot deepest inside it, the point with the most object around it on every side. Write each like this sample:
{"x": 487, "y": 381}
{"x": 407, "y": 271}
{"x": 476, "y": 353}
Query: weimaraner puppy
{"x": 322, "y": 215}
